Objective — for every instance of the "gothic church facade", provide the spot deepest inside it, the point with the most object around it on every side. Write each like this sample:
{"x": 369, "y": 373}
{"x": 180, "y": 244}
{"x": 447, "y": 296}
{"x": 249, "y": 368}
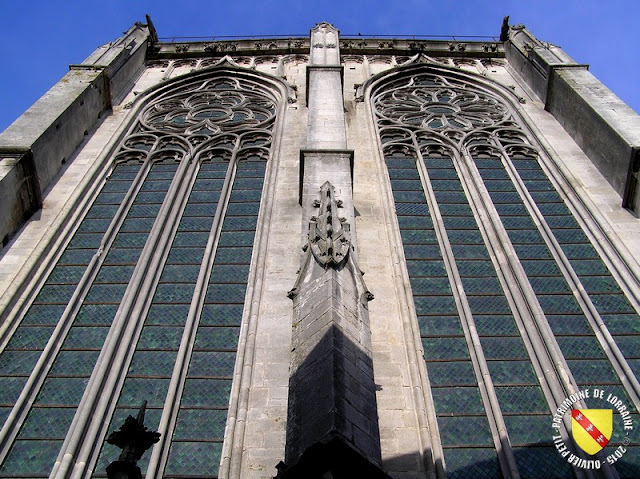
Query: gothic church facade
{"x": 321, "y": 257}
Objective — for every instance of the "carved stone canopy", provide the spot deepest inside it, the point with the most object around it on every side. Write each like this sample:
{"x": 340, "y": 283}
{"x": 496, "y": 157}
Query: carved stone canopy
{"x": 329, "y": 235}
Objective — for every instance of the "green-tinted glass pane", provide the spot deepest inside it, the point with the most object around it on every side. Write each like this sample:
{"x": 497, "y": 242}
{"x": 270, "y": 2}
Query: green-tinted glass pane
{"x": 465, "y": 431}
{"x": 472, "y": 463}
{"x": 542, "y": 284}
{"x": 505, "y": 348}
{"x": 225, "y": 293}
{"x": 487, "y": 285}
{"x": 459, "y": 222}
{"x": 137, "y": 390}
{"x": 123, "y": 256}
{"x": 152, "y": 363}
{"x": 195, "y": 223}
{"x": 10, "y": 388}
{"x": 435, "y": 305}
{"x": 440, "y": 325}
{"x": 185, "y": 256}
{"x": 422, "y": 252}
{"x": 525, "y": 430}
{"x": 458, "y": 373}
{"x": 470, "y": 251}
{"x": 495, "y": 325}
{"x": 569, "y": 324}
{"x": 200, "y": 424}
{"x": 415, "y": 222}
{"x": 541, "y": 463}
{"x": 51, "y": 423}
{"x": 114, "y": 274}
{"x": 221, "y": 314}
{"x": 86, "y": 337}
{"x": 212, "y": 338}
{"x": 74, "y": 363}
{"x": 629, "y": 345}
{"x": 66, "y": 274}
{"x": 18, "y": 362}
{"x": 238, "y": 255}
{"x": 160, "y": 337}
{"x": 31, "y": 458}
{"x": 426, "y": 268}
{"x": 488, "y": 304}
{"x": 173, "y": 293}
{"x": 56, "y": 293}
{"x": 622, "y": 323}
{"x": 559, "y": 304}
{"x": 512, "y": 372}
{"x": 61, "y": 391}
{"x": 515, "y": 399}
{"x": 183, "y": 273}
{"x": 98, "y": 314}
{"x": 475, "y": 268}
{"x": 106, "y": 293}
{"x": 40, "y": 314}
{"x": 532, "y": 251}
{"x": 457, "y": 400}
{"x": 541, "y": 268}
{"x": 430, "y": 286}
{"x": 611, "y": 303}
{"x": 169, "y": 314}
{"x": 193, "y": 458}
{"x": 445, "y": 348}
{"x": 592, "y": 372}
{"x": 212, "y": 364}
{"x": 213, "y": 393}
{"x": 31, "y": 337}
{"x": 577, "y": 347}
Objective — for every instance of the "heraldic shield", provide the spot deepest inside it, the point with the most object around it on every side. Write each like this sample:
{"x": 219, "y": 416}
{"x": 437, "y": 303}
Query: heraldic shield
{"x": 591, "y": 428}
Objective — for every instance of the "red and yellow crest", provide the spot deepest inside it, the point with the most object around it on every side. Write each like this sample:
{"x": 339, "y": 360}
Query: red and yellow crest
{"x": 591, "y": 428}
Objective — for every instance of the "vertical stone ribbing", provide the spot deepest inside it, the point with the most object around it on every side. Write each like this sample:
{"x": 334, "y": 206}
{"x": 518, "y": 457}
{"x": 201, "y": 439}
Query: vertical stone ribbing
{"x": 332, "y": 423}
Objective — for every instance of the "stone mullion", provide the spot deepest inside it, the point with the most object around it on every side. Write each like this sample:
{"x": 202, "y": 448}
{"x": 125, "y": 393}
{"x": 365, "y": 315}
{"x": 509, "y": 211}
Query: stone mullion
{"x": 233, "y": 446}
{"x": 431, "y": 450}
{"x": 623, "y": 266}
{"x": 604, "y": 337}
{"x": 519, "y": 291}
{"x": 107, "y": 378}
{"x": 32, "y": 387}
{"x": 564, "y": 375}
{"x": 187, "y": 184}
{"x": 481, "y": 369}
{"x": 160, "y": 453}
{"x": 545, "y": 355}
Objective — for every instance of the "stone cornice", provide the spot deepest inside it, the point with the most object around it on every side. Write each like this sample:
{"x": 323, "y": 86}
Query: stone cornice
{"x": 348, "y": 46}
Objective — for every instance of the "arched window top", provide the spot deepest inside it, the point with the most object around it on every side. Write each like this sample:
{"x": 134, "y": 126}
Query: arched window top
{"x": 435, "y": 101}
{"x": 206, "y": 107}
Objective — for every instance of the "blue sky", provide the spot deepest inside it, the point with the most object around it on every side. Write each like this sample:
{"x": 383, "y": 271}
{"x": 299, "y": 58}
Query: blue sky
{"x": 40, "y": 38}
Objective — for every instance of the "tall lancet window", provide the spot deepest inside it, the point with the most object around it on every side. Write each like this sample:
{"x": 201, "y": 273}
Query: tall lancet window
{"x": 146, "y": 300}
{"x": 518, "y": 297}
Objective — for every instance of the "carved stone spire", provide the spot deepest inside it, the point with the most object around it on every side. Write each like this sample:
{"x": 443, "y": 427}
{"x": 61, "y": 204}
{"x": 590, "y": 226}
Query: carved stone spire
{"x": 329, "y": 235}
{"x": 134, "y": 439}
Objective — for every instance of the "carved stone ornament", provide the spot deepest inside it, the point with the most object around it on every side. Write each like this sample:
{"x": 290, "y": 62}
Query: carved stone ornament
{"x": 329, "y": 235}
{"x": 133, "y": 437}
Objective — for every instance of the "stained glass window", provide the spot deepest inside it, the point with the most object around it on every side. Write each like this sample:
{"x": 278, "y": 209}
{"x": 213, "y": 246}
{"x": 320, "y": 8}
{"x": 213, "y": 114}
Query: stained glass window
{"x": 520, "y": 270}
{"x": 128, "y": 302}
